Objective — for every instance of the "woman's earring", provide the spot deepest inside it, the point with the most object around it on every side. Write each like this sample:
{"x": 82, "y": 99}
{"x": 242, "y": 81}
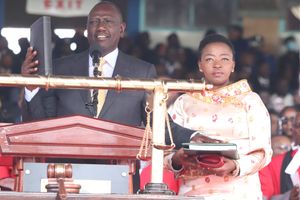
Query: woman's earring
{"x": 200, "y": 70}
{"x": 232, "y": 70}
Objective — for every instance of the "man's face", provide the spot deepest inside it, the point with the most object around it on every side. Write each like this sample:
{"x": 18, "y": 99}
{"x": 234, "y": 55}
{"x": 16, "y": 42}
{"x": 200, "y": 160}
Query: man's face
{"x": 105, "y": 27}
{"x": 274, "y": 124}
{"x": 296, "y": 130}
{"x": 288, "y": 119}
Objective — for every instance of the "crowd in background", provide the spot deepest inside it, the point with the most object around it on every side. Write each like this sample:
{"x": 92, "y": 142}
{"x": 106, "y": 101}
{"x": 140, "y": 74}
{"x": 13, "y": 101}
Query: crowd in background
{"x": 274, "y": 77}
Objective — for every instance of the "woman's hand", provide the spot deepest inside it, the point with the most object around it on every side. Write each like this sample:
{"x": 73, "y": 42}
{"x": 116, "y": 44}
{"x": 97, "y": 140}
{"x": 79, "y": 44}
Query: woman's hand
{"x": 181, "y": 159}
{"x": 226, "y": 170}
{"x": 199, "y": 138}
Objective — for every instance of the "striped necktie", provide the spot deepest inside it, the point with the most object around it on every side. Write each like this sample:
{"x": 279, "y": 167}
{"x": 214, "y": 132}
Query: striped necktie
{"x": 99, "y": 95}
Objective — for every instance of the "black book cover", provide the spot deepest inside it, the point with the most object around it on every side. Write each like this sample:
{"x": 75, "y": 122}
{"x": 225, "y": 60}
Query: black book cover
{"x": 225, "y": 149}
{"x": 40, "y": 40}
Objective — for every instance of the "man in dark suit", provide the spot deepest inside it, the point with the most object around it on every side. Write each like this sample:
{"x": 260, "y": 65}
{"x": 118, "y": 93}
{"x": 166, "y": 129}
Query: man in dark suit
{"x": 105, "y": 27}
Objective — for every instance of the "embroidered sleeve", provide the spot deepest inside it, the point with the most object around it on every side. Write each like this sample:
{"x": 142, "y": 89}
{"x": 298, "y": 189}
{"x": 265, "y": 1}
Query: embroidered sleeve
{"x": 259, "y": 130}
{"x": 176, "y": 111}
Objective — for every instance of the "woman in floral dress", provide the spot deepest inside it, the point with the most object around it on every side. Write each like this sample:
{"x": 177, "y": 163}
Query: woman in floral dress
{"x": 230, "y": 112}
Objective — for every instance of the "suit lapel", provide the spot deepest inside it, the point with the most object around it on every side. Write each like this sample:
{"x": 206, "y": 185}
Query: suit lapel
{"x": 121, "y": 69}
{"x": 81, "y": 68}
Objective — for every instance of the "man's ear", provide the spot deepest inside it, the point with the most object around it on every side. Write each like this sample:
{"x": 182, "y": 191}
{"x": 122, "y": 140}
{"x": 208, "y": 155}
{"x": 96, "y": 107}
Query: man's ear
{"x": 122, "y": 29}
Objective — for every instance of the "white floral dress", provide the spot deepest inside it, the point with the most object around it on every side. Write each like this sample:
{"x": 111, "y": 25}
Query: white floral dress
{"x": 235, "y": 114}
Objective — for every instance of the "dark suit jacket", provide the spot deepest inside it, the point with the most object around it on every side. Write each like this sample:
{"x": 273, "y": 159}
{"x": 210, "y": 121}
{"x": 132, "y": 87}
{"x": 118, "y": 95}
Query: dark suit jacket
{"x": 124, "y": 107}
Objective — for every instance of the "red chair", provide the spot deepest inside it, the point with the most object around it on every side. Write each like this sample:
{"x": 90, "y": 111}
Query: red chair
{"x": 5, "y": 162}
{"x": 5, "y": 166}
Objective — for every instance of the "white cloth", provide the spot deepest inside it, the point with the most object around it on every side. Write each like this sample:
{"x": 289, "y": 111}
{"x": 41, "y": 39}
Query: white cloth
{"x": 30, "y": 94}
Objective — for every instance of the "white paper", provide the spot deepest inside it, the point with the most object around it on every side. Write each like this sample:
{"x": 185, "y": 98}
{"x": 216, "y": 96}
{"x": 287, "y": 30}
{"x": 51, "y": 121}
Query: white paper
{"x": 87, "y": 186}
{"x": 293, "y": 166}
{"x": 295, "y": 179}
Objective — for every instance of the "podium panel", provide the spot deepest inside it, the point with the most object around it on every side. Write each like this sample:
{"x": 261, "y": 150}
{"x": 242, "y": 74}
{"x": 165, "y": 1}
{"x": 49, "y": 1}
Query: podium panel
{"x": 72, "y": 137}
{"x": 93, "y": 178}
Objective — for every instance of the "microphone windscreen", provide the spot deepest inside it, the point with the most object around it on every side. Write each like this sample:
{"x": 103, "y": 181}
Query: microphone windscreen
{"x": 95, "y": 50}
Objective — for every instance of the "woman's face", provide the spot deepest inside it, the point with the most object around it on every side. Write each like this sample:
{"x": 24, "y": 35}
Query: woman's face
{"x": 216, "y": 63}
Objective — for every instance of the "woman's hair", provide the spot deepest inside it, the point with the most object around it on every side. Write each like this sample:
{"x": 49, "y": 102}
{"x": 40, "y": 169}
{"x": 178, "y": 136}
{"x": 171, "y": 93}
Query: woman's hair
{"x": 213, "y": 38}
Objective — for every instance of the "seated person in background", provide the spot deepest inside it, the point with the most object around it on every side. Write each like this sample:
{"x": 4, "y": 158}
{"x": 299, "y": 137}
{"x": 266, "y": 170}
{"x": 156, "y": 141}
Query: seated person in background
{"x": 275, "y": 183}
{"x": 287, "y": 117}
{"x": 228, "y": 112}
{"x": 280, "y": 144}
{"x": 274, "y": 122}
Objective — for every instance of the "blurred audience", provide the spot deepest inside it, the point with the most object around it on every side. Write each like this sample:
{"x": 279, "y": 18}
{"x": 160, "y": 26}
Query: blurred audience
{"x": 280, "y": 144}
{"x": 236, "y": 36}
{"x": 80, "y": 40}
{"x": 276, "y": 184}
{"x": 288, "y": 63}
{"x": 142, "y": 43}
{"x": 287, "y": 119}
{"x": 10, "y": 97}
{"x": 282, "y": 97}
{"x": 24, "y": 44}
{"x": 274, "y": 122}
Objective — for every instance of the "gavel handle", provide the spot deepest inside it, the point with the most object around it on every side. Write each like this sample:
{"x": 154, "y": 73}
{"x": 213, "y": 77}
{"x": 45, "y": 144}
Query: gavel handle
{"x": 61, "y": 194}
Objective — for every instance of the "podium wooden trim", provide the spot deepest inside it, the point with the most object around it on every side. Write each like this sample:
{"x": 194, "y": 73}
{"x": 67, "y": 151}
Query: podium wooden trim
{"x": 69, "y": 137}
{"x": 50, "y": 196}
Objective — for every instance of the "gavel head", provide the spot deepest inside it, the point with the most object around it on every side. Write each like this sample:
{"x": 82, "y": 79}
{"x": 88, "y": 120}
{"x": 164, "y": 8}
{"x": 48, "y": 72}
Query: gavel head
{"x": 59, "y": 170}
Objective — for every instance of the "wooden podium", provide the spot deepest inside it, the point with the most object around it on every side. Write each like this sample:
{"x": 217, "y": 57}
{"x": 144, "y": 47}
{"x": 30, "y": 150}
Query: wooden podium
{"x": 69, "y": 137}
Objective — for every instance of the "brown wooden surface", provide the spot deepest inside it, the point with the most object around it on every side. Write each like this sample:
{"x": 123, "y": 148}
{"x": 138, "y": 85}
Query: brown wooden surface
{"x": 51, "y": 196}
{"x": 71, "y": 137}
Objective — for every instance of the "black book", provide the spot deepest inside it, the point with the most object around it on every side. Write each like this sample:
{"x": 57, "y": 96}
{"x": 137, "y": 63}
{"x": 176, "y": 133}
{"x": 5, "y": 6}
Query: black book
{"x": 223, "y": 149}
{"x": 40, "y": 40}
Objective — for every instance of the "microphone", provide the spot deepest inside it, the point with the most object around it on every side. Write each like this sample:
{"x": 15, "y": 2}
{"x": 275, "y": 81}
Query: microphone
{"x": 88, "y": 104}
{"x": 95, "y": 52}
{"x": 91, "y": 107}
